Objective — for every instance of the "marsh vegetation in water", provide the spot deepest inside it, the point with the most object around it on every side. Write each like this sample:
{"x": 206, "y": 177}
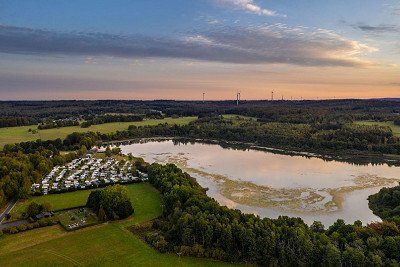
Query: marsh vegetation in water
{"x": 271, "y": 184}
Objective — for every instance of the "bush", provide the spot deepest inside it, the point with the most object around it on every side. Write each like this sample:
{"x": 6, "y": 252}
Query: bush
{"x": 13, "y": 230}
{"x": 21, "y": 228}
{"x": 43, "y": 222}
{"x": 34, "y": 209}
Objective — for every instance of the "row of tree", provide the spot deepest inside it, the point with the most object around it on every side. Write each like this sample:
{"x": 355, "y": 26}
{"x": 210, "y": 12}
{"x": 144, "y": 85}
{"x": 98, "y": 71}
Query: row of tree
{"x": 51, "y": 124}
{"x": 194, "y": 224}
{"x": 111, "y": 118}
{"x": 16, "y": 121}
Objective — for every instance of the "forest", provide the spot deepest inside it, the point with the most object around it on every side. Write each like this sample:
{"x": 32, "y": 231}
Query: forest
{"x": 18, "y": 171}
{"x": 17, "y": 113}
{"x": 196, "y": 225}
{"x": 318, "y": 137}
{"x": 93, "y": 120}
{"x": 386, "y": 203}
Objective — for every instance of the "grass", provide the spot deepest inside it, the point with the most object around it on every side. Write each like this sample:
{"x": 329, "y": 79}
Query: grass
{"x": 395, "y": 128}
{"x": 236, "y": 117}
{"x": 104, "y": 245}
{"x": 57, "y": 201}
{"x": 12, "y": 135}
{"x": 78, "y": 198}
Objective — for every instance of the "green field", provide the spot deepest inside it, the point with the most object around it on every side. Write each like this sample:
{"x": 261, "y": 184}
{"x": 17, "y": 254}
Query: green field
{"x": 234, "y": 117}
{"x": 105, "y": 244}
{"x": 395, "y": 128}
{"x": 58, "y": 201}
{"x": 11, "y": 135}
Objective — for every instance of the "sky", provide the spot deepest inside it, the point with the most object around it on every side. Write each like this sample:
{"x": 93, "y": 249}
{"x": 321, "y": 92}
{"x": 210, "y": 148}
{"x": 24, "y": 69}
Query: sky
{"x": 178, "y": 49}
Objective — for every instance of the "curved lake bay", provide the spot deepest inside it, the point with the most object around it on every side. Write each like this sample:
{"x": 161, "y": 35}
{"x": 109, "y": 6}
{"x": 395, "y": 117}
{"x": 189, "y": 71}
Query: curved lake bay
{"x": 270, "y": 184}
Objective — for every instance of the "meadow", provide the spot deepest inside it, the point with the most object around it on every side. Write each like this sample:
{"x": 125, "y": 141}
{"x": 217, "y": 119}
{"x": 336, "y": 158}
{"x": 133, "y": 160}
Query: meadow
{"x": 12, "y": 135}
{"x": 57, "y": 201}
{"x": 395, "y": 128}
{"x": 105, "y": 244}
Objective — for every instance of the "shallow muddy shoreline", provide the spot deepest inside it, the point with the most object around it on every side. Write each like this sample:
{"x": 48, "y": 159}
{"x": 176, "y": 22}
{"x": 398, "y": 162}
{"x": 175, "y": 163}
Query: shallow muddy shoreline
{"x": 272, "y": 182}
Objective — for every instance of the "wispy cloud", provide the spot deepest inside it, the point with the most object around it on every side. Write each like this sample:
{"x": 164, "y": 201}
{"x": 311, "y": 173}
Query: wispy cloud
{"x": 276, "y": 44}
{"x": 249, "y": 6}
{"x": 377, "y": 29}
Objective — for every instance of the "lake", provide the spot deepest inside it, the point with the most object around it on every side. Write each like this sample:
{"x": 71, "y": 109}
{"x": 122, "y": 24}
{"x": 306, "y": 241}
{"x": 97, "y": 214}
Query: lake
{"x": 271, "y": 184}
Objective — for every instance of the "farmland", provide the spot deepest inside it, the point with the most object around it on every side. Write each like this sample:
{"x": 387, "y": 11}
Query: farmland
{"x": 395, "y": 128}
{"x": 98, "y": 245}
{"x": 11, "y": 135}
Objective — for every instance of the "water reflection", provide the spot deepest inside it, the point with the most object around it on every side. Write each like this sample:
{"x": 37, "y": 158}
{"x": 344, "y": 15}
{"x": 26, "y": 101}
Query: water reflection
{"x": 271, "y": 184}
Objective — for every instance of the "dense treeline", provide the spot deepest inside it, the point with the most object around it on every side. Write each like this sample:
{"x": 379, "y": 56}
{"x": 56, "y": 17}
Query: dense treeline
{"x": 16, "y": 121}
{"x": 74, "y": 141}
{"x": 386, "y": 203}
{"x": 111, "y": 118}
{"x": 323, "y": 138}
{"x": 57, "y": 124}
{"x": 311, "y": 112}
{"x": 18, "y": 171}
{"x": 32, "y": 112}
{"x": 194, "y": 224}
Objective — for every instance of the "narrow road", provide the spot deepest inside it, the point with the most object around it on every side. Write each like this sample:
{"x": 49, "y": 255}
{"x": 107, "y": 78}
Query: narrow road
{"x": 8, "y": 209}
{"x": 12, "y": 224}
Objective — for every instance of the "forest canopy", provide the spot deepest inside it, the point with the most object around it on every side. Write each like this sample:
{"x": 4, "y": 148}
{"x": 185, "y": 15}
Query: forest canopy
{"x": 386, "y": 203}
{"x": 110, "y": 203}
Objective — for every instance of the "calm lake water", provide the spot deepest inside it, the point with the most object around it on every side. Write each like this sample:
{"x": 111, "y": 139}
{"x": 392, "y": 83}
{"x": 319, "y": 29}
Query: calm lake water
{"x": 270, "y": 184}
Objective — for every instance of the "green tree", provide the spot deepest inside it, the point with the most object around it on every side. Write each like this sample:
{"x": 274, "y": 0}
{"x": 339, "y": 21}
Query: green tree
{"x": 82, "y": 151}
{"x": 33, "y": 209}
{"x": 113, "y": 200}
{"x": 108, "y": 151}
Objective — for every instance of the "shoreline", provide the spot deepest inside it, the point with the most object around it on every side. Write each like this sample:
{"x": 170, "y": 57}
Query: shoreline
{"x": 353, "y": 157}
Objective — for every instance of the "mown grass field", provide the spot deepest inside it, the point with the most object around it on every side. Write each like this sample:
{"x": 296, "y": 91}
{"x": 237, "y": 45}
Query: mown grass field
{"x": 58, "y": 201}
{"x": 79, "y": 198}
{"x": 11, "y": 135}
{"x": 101, "y": 245}
{"x": 395, "y": 128}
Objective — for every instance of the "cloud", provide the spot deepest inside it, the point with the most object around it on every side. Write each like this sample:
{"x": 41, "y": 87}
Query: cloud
{"x": 249, "y": 6}
{"x": 378, "y": 29}
{"x": 274, "y": 44}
